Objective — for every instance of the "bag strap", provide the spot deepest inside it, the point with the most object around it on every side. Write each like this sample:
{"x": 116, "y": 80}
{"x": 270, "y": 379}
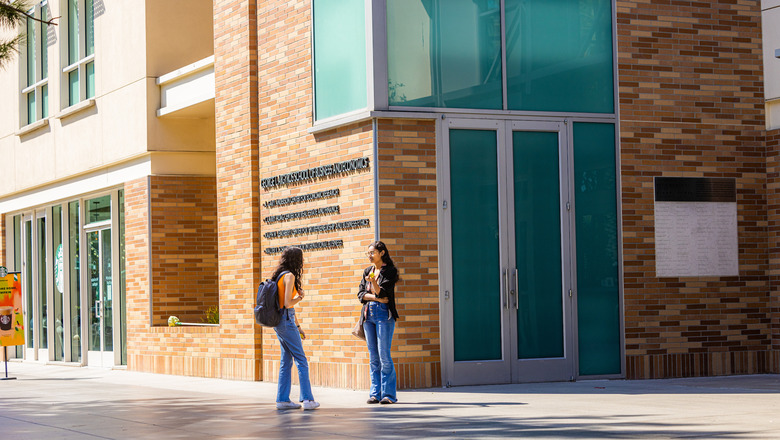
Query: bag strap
{"x": 281, "y": 274}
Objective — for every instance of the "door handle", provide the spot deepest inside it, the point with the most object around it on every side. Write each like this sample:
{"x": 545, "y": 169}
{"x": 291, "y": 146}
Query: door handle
{"x": 516, "y": 292}
{"x": 97, "y": 309}
{"x": 506, "y": 290}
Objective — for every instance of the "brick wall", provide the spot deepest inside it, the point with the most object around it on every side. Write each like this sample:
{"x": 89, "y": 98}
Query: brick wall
{"x": 408, "y": 225}
{"x": 237, "y": 129}
{"x": 331, "y": 276}
{"x": 691, "y": 104}
{"x": 773, "y": 220}
{"x": 191, "y": 351}
{"x": 183, "y": 247}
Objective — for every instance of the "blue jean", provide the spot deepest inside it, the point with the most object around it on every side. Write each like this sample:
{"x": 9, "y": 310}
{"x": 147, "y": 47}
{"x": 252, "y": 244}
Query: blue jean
{"x": 292, "y": 348}
{"x": 379, "y": 327}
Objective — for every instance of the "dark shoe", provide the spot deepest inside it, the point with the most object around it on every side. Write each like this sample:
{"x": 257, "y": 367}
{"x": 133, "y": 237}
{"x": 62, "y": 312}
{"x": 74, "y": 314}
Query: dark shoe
{"x": 372, "y": 400}
{"x": 386, "y": 401}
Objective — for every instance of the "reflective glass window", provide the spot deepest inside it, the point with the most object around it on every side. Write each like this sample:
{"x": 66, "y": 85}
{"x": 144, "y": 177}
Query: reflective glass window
{"x": 339, "y": 57}
{"x": 98, "y": 209}
{"x": 74, "y": 289}
{"x": 444, "y": 53}
{"x": 559, "y": 55}
{"x": 58, "y": 270}
{"x": 598, "y": 291}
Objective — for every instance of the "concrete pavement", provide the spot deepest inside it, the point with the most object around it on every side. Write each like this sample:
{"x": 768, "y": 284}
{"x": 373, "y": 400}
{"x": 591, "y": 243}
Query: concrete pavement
{"x": 60, "y": 402}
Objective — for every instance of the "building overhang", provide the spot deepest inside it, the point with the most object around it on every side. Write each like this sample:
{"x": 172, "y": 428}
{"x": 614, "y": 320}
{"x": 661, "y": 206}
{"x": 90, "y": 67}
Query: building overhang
{"x": 188, "y": 92}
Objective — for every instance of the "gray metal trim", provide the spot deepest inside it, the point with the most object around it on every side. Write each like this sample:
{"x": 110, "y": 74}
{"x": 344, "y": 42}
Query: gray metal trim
{"x": 376, "y": 54}
{"x": 472, "y": 113}
{"x": 375, "y": 170}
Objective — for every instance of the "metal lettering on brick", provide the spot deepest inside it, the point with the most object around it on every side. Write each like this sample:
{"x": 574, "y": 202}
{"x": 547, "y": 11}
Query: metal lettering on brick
{"x": 322, "y": 172}
{"x": 302, "y": 198}
{"x": 352, "y": 224}
{"x": 302, "y": 214}
{"x": 330, "y": 244}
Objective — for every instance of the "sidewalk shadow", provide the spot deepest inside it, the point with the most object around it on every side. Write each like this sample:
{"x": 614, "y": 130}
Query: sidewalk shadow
{"x": 196, "y": 418}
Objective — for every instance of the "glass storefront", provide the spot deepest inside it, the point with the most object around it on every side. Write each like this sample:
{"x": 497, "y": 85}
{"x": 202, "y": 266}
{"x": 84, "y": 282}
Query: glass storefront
{"x": 47, "y": 250}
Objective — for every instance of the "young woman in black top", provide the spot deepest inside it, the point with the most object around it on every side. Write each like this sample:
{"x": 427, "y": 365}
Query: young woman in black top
{"x": 377, "y": 293}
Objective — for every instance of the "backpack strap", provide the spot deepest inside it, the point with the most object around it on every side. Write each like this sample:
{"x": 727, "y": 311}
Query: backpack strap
{"x": 281, "y": 274}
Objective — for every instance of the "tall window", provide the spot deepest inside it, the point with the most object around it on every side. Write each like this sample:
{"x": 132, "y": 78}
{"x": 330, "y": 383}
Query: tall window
{"x": 339, "y": 57}
{"x": 35, "y": 93}
{"x": 79, "y": 72}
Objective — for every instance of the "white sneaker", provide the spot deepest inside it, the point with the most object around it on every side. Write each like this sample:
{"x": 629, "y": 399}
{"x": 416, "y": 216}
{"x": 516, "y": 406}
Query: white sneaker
{"x": 310, "y": 404}
{"x": 287, "y": 405}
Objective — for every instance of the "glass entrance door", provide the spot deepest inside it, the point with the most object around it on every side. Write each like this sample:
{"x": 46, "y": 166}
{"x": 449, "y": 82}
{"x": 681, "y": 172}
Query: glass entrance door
{"x": 539, "y": 252}
{"x": 101, "y": 335}
{"x": 506, "y": 301}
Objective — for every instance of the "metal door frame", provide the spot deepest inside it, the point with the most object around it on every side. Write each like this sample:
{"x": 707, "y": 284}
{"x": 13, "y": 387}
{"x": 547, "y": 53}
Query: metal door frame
{"x": 508, "y": 369}
{"x": 98, "y": 358}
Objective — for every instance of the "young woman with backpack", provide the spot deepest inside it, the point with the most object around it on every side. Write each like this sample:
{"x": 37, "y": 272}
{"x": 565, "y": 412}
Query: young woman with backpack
{"x": 377, "y": 293}
{"x": 289, "y": 332}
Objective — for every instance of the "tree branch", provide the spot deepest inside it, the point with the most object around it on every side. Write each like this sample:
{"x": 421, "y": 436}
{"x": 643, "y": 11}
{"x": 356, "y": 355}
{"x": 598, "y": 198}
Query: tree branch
{"x": 13, "y": 9}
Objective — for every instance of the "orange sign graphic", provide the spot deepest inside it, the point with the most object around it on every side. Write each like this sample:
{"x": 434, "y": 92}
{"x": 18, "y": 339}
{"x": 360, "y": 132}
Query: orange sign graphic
{"x": 11, "y": 321}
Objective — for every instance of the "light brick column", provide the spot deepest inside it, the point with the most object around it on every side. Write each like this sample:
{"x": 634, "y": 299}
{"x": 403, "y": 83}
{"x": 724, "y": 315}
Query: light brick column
{"x": 235, "y": 66}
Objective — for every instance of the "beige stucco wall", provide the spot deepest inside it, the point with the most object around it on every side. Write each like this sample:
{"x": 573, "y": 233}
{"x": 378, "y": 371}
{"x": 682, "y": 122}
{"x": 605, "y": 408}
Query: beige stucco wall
{"x": 135, "y": 42}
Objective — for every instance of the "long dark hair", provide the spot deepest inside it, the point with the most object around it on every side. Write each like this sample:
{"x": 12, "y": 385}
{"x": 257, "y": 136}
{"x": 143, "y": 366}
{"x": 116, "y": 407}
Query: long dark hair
{"x": 291, "y": 260}
{"x": 380, "y": 246}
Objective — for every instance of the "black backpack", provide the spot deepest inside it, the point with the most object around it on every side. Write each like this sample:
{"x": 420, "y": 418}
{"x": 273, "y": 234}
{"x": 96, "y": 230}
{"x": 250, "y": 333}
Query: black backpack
{"x": 267, "y": 311}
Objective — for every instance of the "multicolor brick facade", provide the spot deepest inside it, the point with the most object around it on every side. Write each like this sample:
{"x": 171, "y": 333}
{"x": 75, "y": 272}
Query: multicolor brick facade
{"x": 690, "y": 97}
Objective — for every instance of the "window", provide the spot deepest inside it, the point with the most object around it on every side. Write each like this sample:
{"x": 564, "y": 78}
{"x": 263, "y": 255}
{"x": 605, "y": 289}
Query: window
{"x": 79, "y": 52}
{"x": 35, "y": 72}
{"x": 339, "y": 57}
{"x": 444, "y": 53}
{"x": 559, "y": 56}
{"x": 450, "y": 54}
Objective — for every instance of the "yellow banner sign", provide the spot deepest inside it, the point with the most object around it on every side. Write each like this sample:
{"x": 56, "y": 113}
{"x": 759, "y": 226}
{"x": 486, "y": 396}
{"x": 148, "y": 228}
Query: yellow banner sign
{"x": 11, "y": 322}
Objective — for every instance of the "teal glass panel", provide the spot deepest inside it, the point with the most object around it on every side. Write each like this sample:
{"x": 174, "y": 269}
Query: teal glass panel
{"x": 28, "y": 283}
{"x": 598, "y": 294}
{"x": 74, "y": 289}
{"x": 476, "y": 290}
{"x": 43, "y": 298}
{"x": 559, "y": 55}
{"x": 44, "y": 43}
{"x": 90, "y": 79}
{"x": 31, "y": 52}
{"x": 58, "y": 270}
{"x": 73, "y": 32}
{"x": 45, "y": 101}
{"x": 444, "y": 53}
{"x": 339, "y": 57}
{"x": 89, "y": 25}
{"x": 122, "y": 281}
{"x": 99, "y": 209}
{"x": 538, "y": 245}
{"x": 31, "y": 116}
{"x": 73, "y": 87}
